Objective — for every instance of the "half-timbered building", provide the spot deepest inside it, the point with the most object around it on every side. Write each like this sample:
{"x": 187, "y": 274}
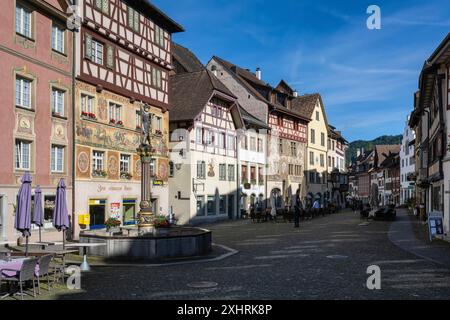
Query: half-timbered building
{"x": 36, "y": 104}
{"x": 123, "y": 63}
{"x": 204, "y": 126}
{"x": 287, "y": 138}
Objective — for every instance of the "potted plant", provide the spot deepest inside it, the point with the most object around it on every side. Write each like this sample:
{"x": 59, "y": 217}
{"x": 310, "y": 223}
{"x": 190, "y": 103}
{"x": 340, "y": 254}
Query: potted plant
{"x": 112, "y": 225}
{"x": 120, "y": 123}
{"x": 112, "y": 121}
{"x": 158, "y": 132}
{"x": 161, "y": 225}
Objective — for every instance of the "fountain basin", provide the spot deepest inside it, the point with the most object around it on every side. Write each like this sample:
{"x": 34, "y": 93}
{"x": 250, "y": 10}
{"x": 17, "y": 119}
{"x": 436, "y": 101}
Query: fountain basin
{"x": 178, "y": 242}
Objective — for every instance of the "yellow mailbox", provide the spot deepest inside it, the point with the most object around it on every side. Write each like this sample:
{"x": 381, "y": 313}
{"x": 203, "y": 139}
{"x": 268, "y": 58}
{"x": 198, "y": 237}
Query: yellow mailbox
{"x": 84, "y": 219}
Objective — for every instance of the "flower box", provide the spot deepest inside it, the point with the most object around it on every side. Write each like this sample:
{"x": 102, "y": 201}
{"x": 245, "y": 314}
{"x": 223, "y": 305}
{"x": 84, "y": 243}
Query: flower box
{"x": 99, "y": 173}
{"x": 126, "y": 175}
{"x": 88, "y": 116}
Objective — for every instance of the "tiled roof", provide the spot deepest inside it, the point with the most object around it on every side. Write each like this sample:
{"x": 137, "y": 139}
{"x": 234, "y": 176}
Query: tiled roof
{"x": 306, "y": 104}
{"x": 192, "y": 91}
{"x": 383, "y": 151}
{"x": 186, "y": 58}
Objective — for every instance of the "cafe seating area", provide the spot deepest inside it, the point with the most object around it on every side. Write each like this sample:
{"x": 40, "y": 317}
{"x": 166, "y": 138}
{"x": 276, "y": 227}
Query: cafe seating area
{"x": 26, "y": 273}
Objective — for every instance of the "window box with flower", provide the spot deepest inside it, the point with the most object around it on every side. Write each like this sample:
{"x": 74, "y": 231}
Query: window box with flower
{"x": 119, "y": 123}
{"x": 88, "y": 115}
{"x": 99, "y": 173}
{"x": 158, "y": 132}
{"x": 126, "y": 175}
{"x": 112, "y": 121}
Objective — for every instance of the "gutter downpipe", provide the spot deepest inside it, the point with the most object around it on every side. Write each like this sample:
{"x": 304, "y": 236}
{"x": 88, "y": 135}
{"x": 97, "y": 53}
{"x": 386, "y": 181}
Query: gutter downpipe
{"x": 74, "y": 67}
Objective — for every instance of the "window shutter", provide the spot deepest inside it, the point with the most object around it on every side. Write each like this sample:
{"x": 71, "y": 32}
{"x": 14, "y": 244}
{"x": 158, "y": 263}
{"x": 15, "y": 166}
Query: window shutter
{"x": 88, "y": 47}
{"x": 110, "y": 57}
{"x": 105, "y": 7}
{"x": 136, "y": 21}
{"x": 130, "y": 17}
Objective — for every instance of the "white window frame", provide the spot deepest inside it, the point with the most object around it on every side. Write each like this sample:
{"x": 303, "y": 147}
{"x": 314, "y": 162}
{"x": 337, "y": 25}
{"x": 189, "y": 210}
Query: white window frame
{"x": 58, "y": 100}
{"x": 87, "y": 103}
{"x": 58, "y": 39}
{"x": 115, "y": 112}
{"x": 125, "y": 162}
{"x": 97, "y": 52}
{"x": 21, "y": 156}
{"x": 20, "y": 95}
{"x": 98, "y": 160}
{"x": 21, "y": 22}
{"x": 57, "y": 158}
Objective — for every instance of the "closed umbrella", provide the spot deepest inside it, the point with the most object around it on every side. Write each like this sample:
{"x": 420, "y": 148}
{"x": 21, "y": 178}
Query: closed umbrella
{"x": 38, "y": 214}
{"x": 273, "y": 204}
{"x": 22, "y": 222}
{"x": 60, "y": 213}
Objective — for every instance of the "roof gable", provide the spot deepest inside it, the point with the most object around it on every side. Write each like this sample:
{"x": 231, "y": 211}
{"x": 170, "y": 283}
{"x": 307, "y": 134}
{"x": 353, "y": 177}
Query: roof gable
{"x": 192, "y": 91}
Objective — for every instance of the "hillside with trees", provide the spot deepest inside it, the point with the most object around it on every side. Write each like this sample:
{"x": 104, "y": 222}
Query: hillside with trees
{"x": 368, "y": 145}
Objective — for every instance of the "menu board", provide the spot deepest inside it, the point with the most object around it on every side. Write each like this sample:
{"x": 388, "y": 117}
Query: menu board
{"x": 435, "y": 225}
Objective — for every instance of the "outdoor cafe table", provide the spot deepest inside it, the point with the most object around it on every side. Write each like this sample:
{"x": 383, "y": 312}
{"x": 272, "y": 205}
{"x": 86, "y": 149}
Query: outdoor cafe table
{"x": 85, "y": 265}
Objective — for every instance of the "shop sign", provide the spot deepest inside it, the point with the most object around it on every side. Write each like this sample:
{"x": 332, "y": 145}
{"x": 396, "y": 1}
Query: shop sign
{"x": 115, "y": 211}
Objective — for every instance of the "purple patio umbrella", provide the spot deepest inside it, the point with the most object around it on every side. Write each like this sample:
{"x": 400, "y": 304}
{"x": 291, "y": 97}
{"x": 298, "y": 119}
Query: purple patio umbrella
{"x": 38, "y": 213}
{"x": 22, "y": 222}
{"x": 60, "y": 213}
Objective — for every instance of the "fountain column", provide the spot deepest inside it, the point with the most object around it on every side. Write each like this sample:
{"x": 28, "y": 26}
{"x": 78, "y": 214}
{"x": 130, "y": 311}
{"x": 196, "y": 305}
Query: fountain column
{"x": 145, "y": 152}
{"x": 145, "y": 215}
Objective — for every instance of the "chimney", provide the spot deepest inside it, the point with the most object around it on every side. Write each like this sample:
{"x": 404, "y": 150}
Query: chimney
{"x": 214, "y": 70}
{"x": 362, "y": 150}
{"x": 258, "y": 73}
{"x": 358, "y": 152}
{"x": 295, "y": 93}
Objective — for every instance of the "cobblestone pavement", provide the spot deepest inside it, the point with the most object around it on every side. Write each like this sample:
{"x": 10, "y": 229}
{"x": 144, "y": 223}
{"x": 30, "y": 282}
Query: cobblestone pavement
{"x": 326, "y": 258}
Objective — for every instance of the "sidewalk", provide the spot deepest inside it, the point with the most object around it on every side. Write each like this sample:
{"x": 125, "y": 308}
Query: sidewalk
{"x": 410, "y": 235}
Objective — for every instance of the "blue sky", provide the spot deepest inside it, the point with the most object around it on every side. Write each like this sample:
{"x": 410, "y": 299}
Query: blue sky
{"x": 366, "y": 77}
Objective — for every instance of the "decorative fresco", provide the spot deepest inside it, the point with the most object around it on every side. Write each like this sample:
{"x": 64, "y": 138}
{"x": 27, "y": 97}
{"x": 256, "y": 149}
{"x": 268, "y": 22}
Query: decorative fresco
{"x": 113, "y": 165}
{"x": 83, "y": 162}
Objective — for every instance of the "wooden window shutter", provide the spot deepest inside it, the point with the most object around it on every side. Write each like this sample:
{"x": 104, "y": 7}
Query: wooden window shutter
{"x": 110, "y": 57}
{"x": 130, "y": 17}
{"x": 136, "y": 21}
{"x": 105, "y": 7}
{"x": 88, "y": 47}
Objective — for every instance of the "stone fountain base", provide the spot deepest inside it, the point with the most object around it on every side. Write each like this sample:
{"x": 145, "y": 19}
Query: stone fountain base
{"x": 176, "y": 242}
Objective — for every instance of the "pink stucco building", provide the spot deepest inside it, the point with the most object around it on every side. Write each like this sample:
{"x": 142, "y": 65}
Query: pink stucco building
{"x": 36, "y": 105}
